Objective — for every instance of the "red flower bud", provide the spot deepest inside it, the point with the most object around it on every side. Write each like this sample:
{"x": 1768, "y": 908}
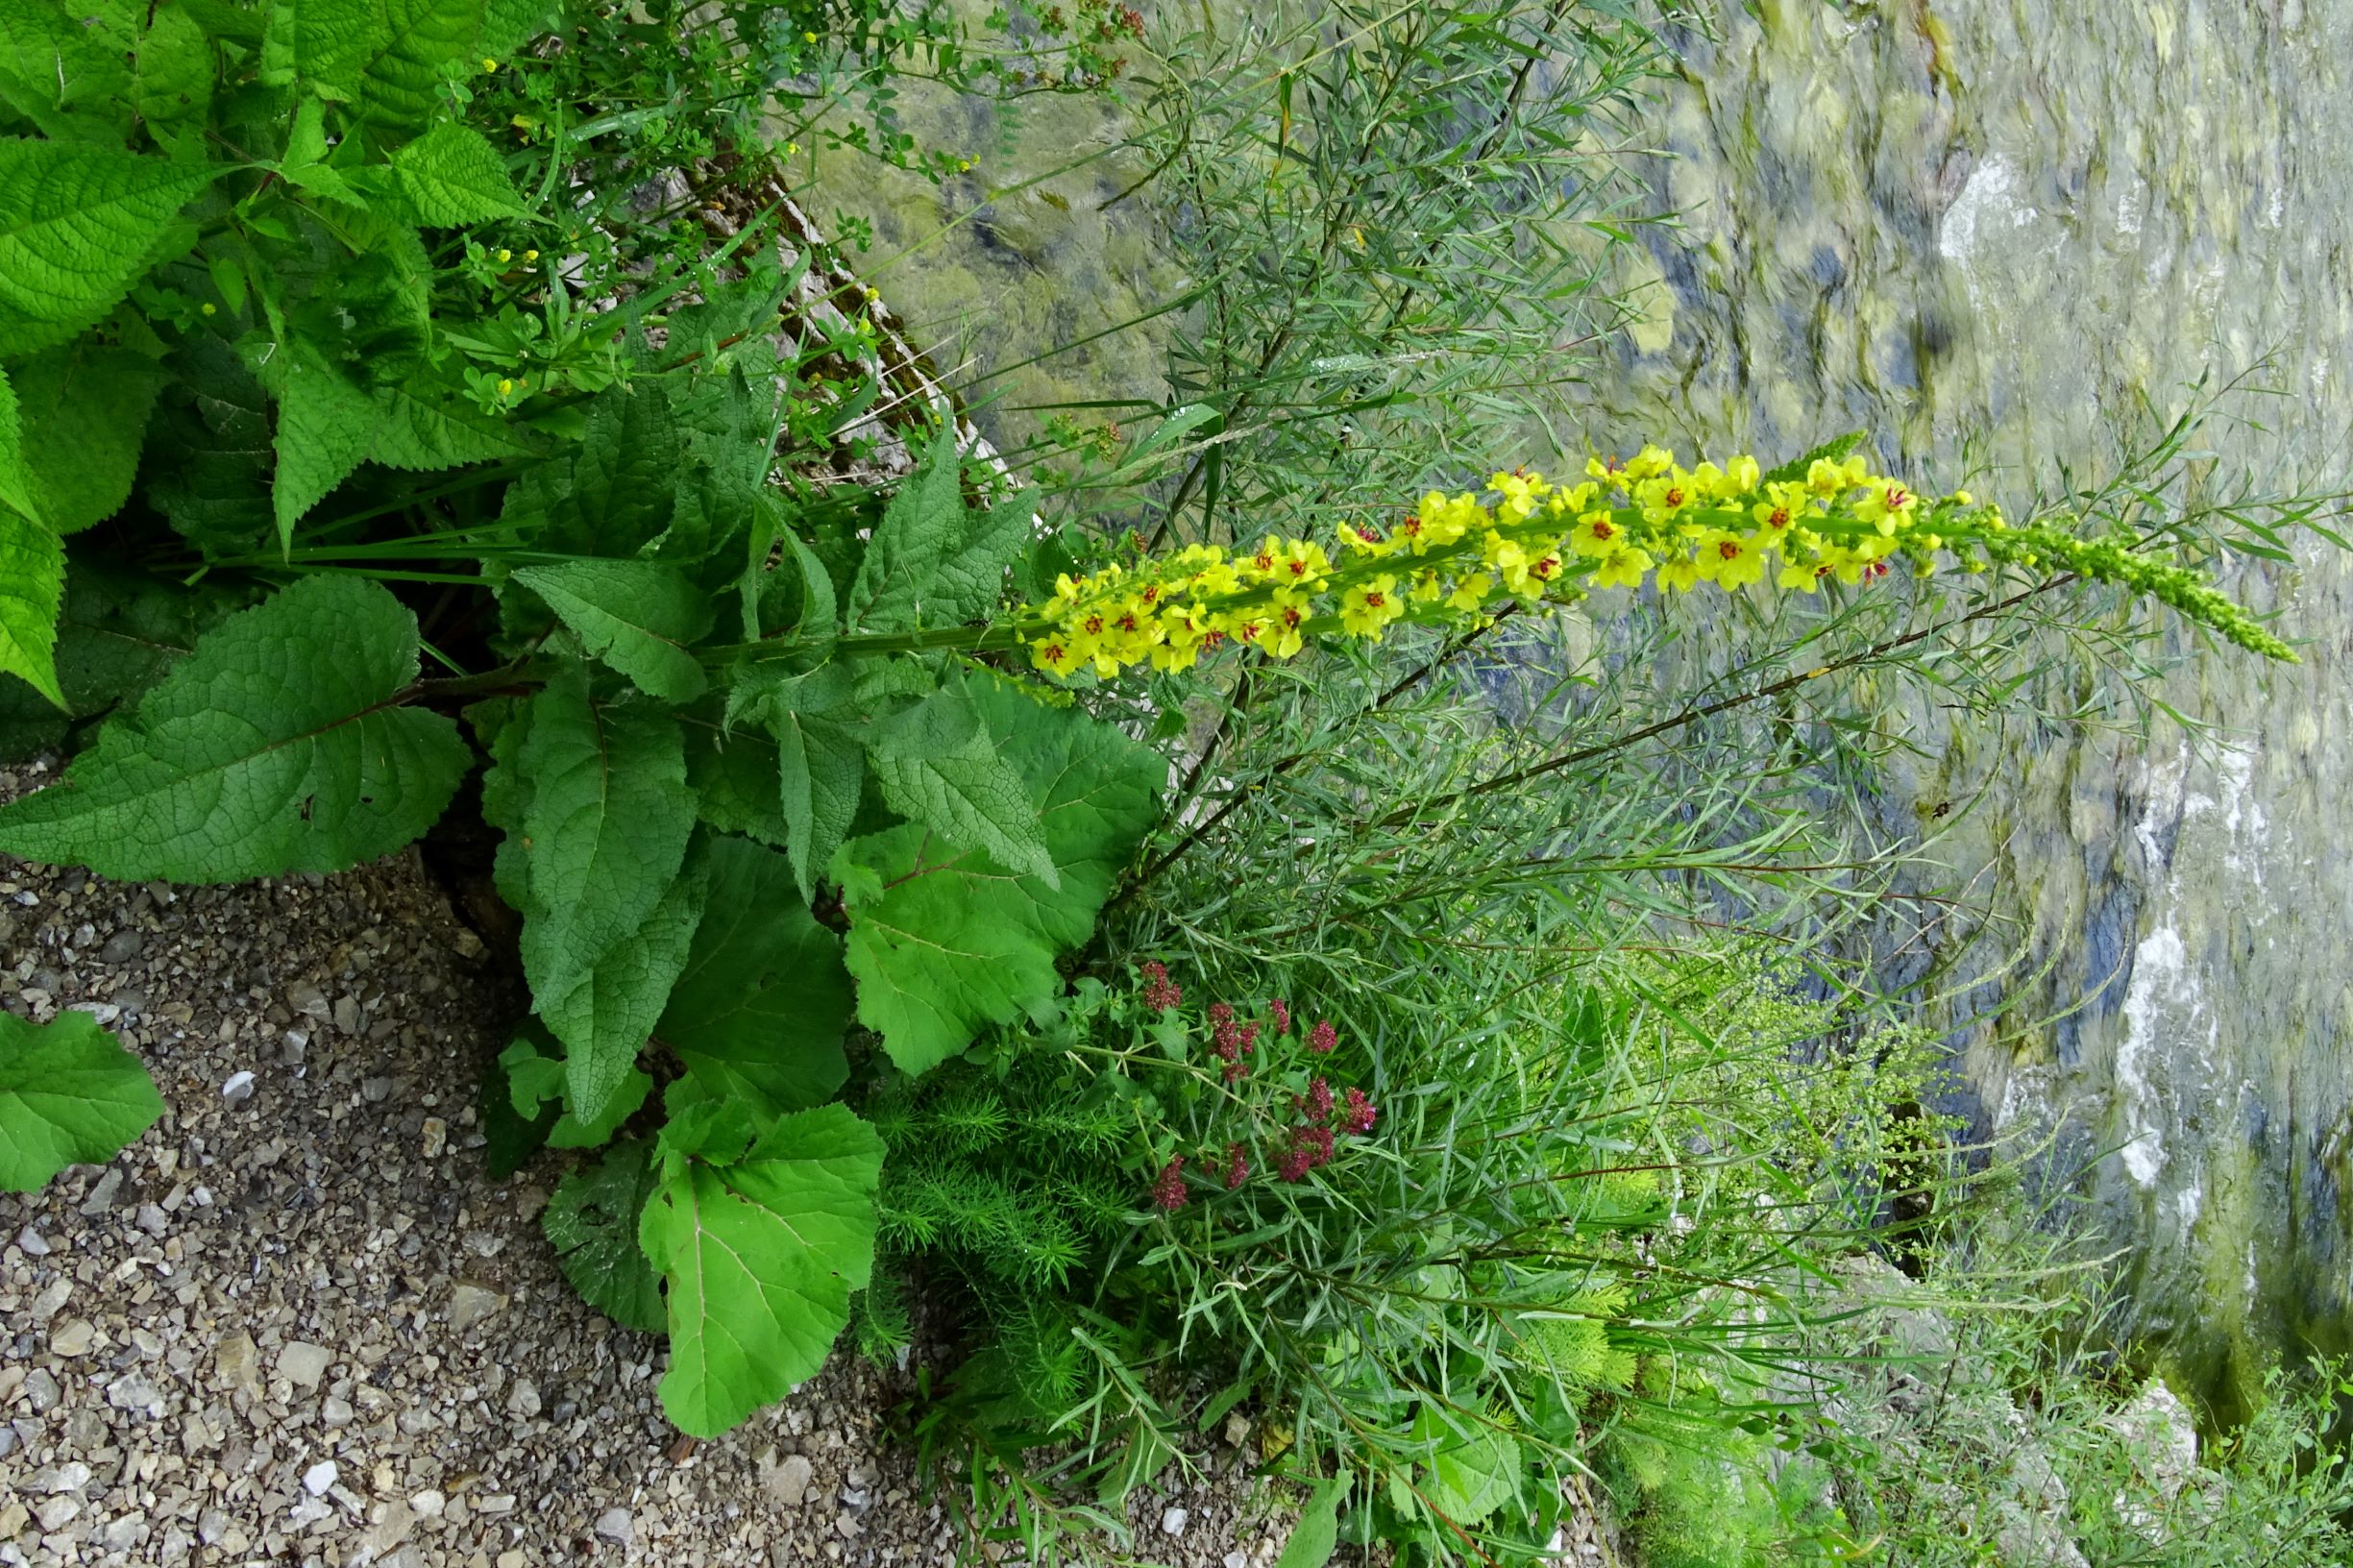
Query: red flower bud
{"x": 1169, "y": 1193}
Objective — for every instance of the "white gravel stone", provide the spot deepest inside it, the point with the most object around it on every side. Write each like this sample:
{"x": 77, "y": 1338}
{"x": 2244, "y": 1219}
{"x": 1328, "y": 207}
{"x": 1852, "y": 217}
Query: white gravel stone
{"x": 238, "y": 1088}
{"x": 29, "y": 1240}
{"x": 75, "y": 1339}
{"x": 320, "y": 1476}
{"x": 1173, "y": 1521}
{"x": 616, "y": 1525}
{"x": 303, "y": 1364}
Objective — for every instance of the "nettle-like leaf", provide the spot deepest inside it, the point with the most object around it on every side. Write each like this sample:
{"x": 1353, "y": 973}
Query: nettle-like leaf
{"x": 943, "y": 943}
{"x": 85, "y": 411}
{"x": 592, "y": 1223}
{"x": 120, "y": 632}
{"x": 79, "y": 223}
{"x": 326, "y": 423}
{"x": 69, "y": 1094}
{"x": 939, "y": 766}
{"x": 931, "y": 561}
{"x": 616, "y": 491}
{"x": 640, "y": 617}
{"x": 759, "y": 1010}
{"x": 1472, "y": 1473}
{"x": 760, "y": 1257}
{"x": 32, "y": 589}
{"x": 812, "y": 721}
{"x": 257, "y": 756}
{"x": 451, "y": 176}
{"x": 592, "y": 795}
{"x": 171, "y": 77}
{"x": 384, "y": 56}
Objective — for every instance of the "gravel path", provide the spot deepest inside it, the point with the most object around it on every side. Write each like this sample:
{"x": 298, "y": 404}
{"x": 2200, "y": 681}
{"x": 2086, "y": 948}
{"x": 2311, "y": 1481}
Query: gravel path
{"x": 298, "y": 1323}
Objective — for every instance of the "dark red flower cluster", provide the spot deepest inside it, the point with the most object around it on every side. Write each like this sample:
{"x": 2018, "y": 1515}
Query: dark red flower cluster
{"x": 1279, "y": 1011}
{"x": 1169, "y": 1193}
{"x": 1317, "y": 1103}
{"x": 1232, "y": 1039}
{"x": 1357, "y": 1114}
{"x": 1310, "y": 1146}
{"x": 1323, "y": 1036}
{"x": 1237, "y": 1166}
{"x": 1160, "y": 992}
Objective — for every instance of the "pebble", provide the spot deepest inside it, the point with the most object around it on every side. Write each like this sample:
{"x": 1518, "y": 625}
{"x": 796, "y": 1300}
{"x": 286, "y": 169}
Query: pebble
{"x": 473, "y": 1304}
{"x": 102, "y": 1196}
{"x": 238, "y": 1363}
{"x": 121, "y": 947}
{"x": 347, "y": 1015}
{"x": 436, "y": 1137}
{"x": 787, "y": 1483}
{"x": 69, "y": 1477}
{"x": 428, "y": 1504}
{"x": 238, "y": 1088}
{"x": 30, "y": 1241}
{"x": 1173, "y": 1522}
{"x": 40, "y": 1391}
{"x": 57, "y": 1513}
{"x": 522, "y": 1400}
{"x": 75, "y": 1339}
{"x": 336, "y": 1413}
{"x": 320, "y": 1476}
{"x": 616, "y": 1525}
{"x": 303, "y": 1364}
{"x": 133, "y": 1392}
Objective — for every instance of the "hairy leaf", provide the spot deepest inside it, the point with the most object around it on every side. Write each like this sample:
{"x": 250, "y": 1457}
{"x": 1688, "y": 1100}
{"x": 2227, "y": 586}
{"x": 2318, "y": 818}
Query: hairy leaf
{"x": 759, "y": 1011}
{"x": 760, "y": 1256}
{"x": 451, "y": 176}
{"x": 943, "y": 943}
{"x": 422, "y": 426}
{"x": 69, "y": 1094}
{"x": 325, "y": 427}
{"x": 930, "y": 562}
{"x": 607, "y": 914}
{"x": 64, "y": 67}
{"x": 172, "y": 76}
{"x": 85, "y": 414}
{"x": 31, "y": 587}
{"x": 1317, "y": 1533}
{"x": 617, "y": 492}
{"x": 639, "y": 617}
{"x": 592, "y": 1223}
{"x": 257, "y": 756}
{"x": 78, "y": 225}
{"x": 15, "y": 478}
{"x": 209, "y": 456}
{"x": 939, "y": 766}
{"x": 120, "y": 632}
{"x": 733, "y": 774}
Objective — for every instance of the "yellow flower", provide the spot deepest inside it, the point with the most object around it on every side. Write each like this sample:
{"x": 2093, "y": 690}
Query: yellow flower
{"x": 1623, "y": 568}
{"x": 1741, "y": 475}
{"x": 1429, "y": 587}
{"x": 1265, "y": 563}
{"x": 1647, "y": 464}
{"x": 507, "y": 388}
{"x": 1597, "y": 534}
{"x": 1576, "y": 499}
{"x": 505, "y": 256}
{"x": 1666, "y": 498}
{"x": 1805, "y": 577}
{"x": 1826, "y": 478}
{"x": 1778, "y": 514}
{"x": 1057, "y": 653}
{"x": 489, "y": 64}
{"x": 1303, "y": 565}
{"x": 1370, "y": 606}
{"x": 1505, "y": 555}
{"x": 1471, "y": 592}
{"x": 1521, "y": 491}
{"x": 808, "y": 37}
{"x": 1287, "y": 634}
{"x": 1681, "y": 573}
{"x": 1738, "y": 561}
{"x": 1887, "y": 506}
{"x": 529, "y": 256}
{"x": 1363, "y": 539}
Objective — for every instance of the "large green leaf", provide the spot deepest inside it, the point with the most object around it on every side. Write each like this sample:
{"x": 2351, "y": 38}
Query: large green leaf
{"x": 453, "y": 177}
{"x": 422, "y": 424}
{"x": 79, "y": 224}
{"x": 931, "y": 562}
{"x": 760, "y": 1256}
{"x": 617, "y": 492}
{"x": 385, "y": 56}
{"x": 120, "y": 632}
{"x": 15, "y": 478}
{"x": 1317, "y": 1533}
{"x": 1472, "y": 1473}
{"x": 604, "y": 829}
{"x": 943, "y": 942}
{"x": 69, "y": 1094}
{"x": 259, "y": 754}
{"x": 820, "y": 767}
{"x": 939, "y": 766}
{"x": 172, "y": 74}
{"x": 209, "y": 455}
{"x": 639, "y": 617}
{"x": 759, "y": 1011}
{"x": 31, "y": 587}
{"x": 326, "y": 424}
{"x": 64, "y": 69}
{"x": 592, "y": 1224}
{"x": 85, "y": 414}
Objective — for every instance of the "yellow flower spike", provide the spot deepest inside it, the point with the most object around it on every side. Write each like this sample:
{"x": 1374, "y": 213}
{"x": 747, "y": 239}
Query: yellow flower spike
{"x": 1624, "y": 567}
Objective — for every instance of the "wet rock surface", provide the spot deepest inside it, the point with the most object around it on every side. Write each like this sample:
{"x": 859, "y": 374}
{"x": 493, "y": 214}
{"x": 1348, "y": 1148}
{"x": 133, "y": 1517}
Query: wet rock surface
{"x": 289, "y": 1327}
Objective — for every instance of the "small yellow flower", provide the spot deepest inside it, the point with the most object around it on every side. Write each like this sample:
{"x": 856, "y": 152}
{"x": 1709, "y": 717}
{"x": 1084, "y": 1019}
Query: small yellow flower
{"x": 1621, "y": 568}
{"x": 1681, "y": 573}
{"x": 1826, "y": 478}
{"x": 1647, "y": 464}
{"x": 1303, "y": 565}
{"x": 506, "y": 387}
{"x": 1286, "y": 633}
{"x": 1366, "y": 607}
{"x": 1521, "y": 491}
{"x": 209, "y": 310}
{"x": 1778, "y": 513}
{"x": 808, "y": 37}
{"x": 1738, "y": 562}
{"x": 1666, "y": 497}
{"x": 1805, "y": 577}
{"x": 1471, "y": 592}
{"x": 1741, "y": 475}
{"x": 1597, "y": 535}
{"x": 489, "y": 64}
{"x": 505, "y": 256}
{"x": 1887, "y": 506}
{"x": 1428, "y": 587}
{"x": 529, "y": 256}
{"x": 1057, "y": 653}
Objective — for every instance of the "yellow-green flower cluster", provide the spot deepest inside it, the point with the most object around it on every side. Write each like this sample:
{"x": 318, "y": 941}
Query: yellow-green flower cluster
{"x": 1457, "y": 560}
